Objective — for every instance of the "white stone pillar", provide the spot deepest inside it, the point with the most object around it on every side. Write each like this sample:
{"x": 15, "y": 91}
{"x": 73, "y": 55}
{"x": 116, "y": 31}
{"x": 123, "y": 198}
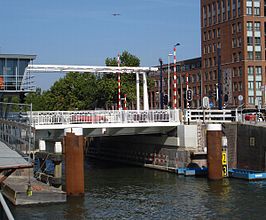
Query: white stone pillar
{"x": 137, "y": 88}
{"x": 145, "y": 93}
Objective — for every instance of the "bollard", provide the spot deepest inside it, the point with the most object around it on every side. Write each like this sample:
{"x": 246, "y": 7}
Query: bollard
{"x": 74, "y": 161}
{"x": 214, "y": 149}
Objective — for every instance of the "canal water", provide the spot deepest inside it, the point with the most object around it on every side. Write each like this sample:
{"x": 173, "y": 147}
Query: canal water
{"x": 115, "y": 191}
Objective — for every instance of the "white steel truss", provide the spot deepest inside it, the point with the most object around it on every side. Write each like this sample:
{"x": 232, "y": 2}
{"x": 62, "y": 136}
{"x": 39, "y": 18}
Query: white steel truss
{"x": 40, "y": 68}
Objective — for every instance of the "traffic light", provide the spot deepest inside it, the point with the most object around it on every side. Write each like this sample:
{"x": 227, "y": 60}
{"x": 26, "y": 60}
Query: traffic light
{"x": 189, "y": 95}
{"x": 215, "y": 94}
{"x": 165, "y": 99}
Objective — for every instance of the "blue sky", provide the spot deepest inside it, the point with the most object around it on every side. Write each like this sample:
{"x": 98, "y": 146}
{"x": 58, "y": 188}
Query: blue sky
{"x": 86, "y": 32}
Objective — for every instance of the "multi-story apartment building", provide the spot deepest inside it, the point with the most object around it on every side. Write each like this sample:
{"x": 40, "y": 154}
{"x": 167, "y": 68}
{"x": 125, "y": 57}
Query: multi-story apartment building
{"x": 237, "y": 27}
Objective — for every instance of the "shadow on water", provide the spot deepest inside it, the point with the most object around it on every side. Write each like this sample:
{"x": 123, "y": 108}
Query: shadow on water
{"x": 114, "y": 191}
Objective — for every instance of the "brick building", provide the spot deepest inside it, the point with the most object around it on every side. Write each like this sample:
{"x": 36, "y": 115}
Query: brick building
{"x": 192, "y": 68}
{"x": 238, "y": 28}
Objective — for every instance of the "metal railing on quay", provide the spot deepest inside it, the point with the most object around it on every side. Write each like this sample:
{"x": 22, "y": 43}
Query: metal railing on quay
{"x": 108, "y": 116}
{"x": 15, "y": 127}
{"x": 5, "y": 208}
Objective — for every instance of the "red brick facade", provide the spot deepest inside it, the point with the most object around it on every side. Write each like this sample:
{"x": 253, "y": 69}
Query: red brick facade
{"x": 238, "y": 28}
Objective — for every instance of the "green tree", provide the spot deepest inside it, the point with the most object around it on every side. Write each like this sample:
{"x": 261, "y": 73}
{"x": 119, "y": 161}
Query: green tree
{"x": 128, "y": 81}
{"x": 37, "y": 100}
{"x": 126, "y": 59}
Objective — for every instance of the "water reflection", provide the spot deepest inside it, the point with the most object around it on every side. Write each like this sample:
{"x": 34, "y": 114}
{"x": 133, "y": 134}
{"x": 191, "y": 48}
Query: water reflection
{"x": 115, "y": 191}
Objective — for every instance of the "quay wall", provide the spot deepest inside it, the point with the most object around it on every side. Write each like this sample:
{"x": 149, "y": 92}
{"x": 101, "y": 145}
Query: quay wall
{"x": 251, "y": 147}
{"x": 246, "y": 146}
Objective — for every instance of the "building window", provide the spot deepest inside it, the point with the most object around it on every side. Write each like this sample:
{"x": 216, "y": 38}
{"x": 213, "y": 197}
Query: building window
{"x": 214, "y": 33}
{"x": 257, "y": 7}
{"x": 257, "y": 26}
{"x": 214, "y": 47}
{"x": 239, "y": 56}
{"x": 234, "y": 8}
{"x": 250, "y": 41}
{"x": 250, "y": 85}
{"x": 240, "y": 86}
{"x": 214, "y": 75}
{"x": 234, "y": 57}
{"x": 206, "y": 76}
{"x": 239, "y": 42}
{"x": 250, "y": 55}
{"x": 233, "y": 28}
{"x": 204, "y": 16}
{"x": 214, "y": 61}
{"x": 235, "y": 86}
{"x": 214, "y": 12}
{"x": 239, "y": 27}
{"x": 240, "y": 72}
{"x": 250, "y": 71}
{"x": 210, "y": 14}
{"x": 249, "y": 7}
{"x": 234, "y": 43}
{"x": 228, "y": 10}
{"x": 264, "y": 9}
{"x": 257, "y": 55}
{"x": 210, "y": 62}
{"x": 219, "y": 10}
{"x": 209, "y": 35}
{"x": 251, "y": 100}
{"x": 257, "y": 11}
{"x": 257, "y": 41}
{"x": 258, "y": 70}
{"x": 258, "y": 85}
{"x": 234, "y": 72}
{"x": 249, "y": 26}
{"x": 223, "y": 10}
{"x": 239, "y": 7}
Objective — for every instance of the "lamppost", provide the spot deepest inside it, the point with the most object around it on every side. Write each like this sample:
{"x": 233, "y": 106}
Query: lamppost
{"x": 161, "y": 83}
{"x": 175, "y": 81}
{"x": 168, "y": 83}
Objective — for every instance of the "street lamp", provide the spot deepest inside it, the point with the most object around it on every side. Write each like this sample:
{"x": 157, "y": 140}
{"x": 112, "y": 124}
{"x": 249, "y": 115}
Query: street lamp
{"x": 168, "y": 83}
{"x": 161, "y": 83}
{"x": 175, "y": 80}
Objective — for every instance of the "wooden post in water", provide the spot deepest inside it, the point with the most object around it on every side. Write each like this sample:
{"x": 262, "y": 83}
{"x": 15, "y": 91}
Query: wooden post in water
{"x": 74, "y": 161}
{"x": 214, "y": 149}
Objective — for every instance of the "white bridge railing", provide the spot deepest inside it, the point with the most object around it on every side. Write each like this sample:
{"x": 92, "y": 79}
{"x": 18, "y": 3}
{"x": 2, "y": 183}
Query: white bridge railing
{"x": 99, "y": 117}
{"x": 209, "y": 116}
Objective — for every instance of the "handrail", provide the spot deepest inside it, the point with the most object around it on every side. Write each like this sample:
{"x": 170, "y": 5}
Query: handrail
{"x": 104, "y": 116}
{"x": 208, "y": 115}
{"x": 6, "y": 208}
